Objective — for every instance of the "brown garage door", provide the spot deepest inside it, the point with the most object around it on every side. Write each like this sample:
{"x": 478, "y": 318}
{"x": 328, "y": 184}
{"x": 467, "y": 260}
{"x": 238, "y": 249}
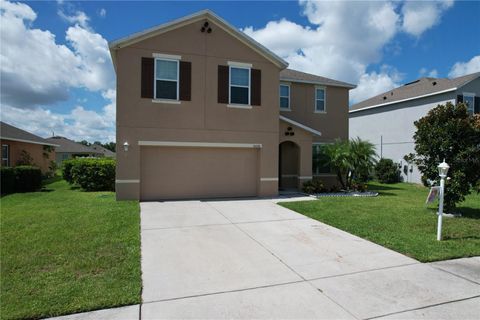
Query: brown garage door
{"x": 187, "y": 172}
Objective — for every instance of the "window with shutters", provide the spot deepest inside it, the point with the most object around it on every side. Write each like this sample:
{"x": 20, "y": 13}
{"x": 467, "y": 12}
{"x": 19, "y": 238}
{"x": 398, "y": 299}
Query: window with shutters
{"x": 166, "y": 79}
{"x": 320, "y": 100}
{"x": 469, "y": 101}
{"x": 284, "y": 97}
{"x": 239, "y": 85}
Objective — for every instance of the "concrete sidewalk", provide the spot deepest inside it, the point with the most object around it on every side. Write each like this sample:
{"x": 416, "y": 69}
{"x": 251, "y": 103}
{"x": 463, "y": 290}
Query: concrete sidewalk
{"x": 252, "y": 259}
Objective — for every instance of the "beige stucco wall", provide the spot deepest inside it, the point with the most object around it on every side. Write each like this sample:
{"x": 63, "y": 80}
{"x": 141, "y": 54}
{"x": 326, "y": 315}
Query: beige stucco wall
{"x": 40, "y": 157}
{"x": 333, "y": 123}
{"x": 202, "y": 119}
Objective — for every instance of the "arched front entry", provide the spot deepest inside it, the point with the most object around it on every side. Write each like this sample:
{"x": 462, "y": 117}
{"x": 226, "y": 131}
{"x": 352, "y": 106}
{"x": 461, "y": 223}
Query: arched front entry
{"x": 288, "y": 165}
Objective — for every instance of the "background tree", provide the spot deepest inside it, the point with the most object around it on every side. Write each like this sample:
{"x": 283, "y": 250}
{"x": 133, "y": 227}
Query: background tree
{"x": 449, "y": 132}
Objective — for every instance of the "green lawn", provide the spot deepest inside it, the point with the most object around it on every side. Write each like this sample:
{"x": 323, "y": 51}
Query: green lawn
{"x": 65, "y": 251}
{"x": 398, "y": 219}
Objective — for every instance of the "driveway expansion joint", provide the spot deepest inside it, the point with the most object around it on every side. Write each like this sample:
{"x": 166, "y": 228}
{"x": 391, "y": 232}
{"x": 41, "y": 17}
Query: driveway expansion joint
{"x": 424, "y": 307}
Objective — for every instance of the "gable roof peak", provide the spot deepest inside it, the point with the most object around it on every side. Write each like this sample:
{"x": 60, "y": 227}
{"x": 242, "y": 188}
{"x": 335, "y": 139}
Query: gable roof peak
{"x": 194, "y": 17}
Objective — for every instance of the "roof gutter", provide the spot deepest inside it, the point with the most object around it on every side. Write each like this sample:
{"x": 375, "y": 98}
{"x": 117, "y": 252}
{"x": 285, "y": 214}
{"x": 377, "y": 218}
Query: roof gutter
{"x": 403, "y": 100}
{"x": 30, "y": 141}
{"x": 347, "y": 85}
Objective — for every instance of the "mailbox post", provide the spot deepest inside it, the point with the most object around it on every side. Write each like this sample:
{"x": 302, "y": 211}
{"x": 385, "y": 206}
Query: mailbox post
{"x": 442, "y": 172}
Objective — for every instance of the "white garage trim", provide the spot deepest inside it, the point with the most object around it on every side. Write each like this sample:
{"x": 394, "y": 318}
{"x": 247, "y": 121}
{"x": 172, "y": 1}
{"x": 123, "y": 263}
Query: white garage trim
{"x": 199, "y": 144}
{"x": 268, "y": 179}
{"x": 127, "y": 181}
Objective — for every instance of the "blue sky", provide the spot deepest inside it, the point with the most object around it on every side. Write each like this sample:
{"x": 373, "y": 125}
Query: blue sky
{"x": 69, "y": 87}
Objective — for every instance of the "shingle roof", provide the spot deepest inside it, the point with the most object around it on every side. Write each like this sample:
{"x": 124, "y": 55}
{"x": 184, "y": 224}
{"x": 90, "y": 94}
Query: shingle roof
{"x": 104, "y": 151}
{"x": 298, "y": 76}
{"x": 67, "y": 145}
{"x": 417, "y": 88}
{"x": 9, "y": 132}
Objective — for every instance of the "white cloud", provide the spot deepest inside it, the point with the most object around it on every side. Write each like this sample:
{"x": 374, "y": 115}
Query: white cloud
{"x": 463, "y": 68}
{"x": 32, "y": 83}
{"x": 78, "y": 17}
{"x": 345, "y": 38}
{"x": 79, "y": 124}
{"x": 372, "y": 84}
{"x": 102, "y": 13}
{"x": 419, "y": 16}
{"x": 45, "y": 77}
{"x": 424, "y": 72}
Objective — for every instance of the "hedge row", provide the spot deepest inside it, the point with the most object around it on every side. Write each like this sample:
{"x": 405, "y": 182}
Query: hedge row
{"x": 91, "y": 174}
{"x": 20, "y": 179}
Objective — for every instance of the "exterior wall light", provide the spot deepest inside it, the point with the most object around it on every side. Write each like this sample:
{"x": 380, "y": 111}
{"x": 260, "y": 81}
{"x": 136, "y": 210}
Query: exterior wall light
{"x": 125, "y": 146}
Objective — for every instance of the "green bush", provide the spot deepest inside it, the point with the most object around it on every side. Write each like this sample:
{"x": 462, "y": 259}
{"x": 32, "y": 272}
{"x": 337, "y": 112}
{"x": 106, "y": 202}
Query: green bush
{"x": 21, "y": 179}
{"x": 27, "y": 179}
{"x": 387, "y": 171}
{"x": 92, "y": 174}
{"x": 313, "y": 186}
{"x": 67, "y": 166}
{"x": 7, "y": 175}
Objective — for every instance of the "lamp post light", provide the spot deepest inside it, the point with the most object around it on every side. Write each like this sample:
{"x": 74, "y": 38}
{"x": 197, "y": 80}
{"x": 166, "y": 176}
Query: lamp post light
{"x": 442, "y": 172}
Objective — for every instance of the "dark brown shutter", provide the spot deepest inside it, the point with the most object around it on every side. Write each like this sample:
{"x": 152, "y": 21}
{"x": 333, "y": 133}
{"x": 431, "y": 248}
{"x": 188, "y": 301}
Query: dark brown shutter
{"x": 256, "y": 85}
{"x": 185, "y": 80}
{"x": 223, "y": 74}
{"x": 477, "y": 105}
{"x": 459, "y": 99}
{"x": 147, "y": 78}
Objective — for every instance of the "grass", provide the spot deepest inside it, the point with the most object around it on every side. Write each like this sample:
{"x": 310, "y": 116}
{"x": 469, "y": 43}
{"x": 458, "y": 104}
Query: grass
{"x": 398, "y": 219}
{"x": 65, "y": 251}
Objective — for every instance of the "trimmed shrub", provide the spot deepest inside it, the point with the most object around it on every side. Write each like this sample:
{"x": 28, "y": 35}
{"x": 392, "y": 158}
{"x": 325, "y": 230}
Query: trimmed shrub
{"x": 67, "y": 166}
{"x": 313, "y": 186}
{"x": 27, "y": 179}
{"x": 21, "y": 179}
{"x": 93, "y": 174}
{"x": 387, "y": 171}
{"x": 7, "y": 175}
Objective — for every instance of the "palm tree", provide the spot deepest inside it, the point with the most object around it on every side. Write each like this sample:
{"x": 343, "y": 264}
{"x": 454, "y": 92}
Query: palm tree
{"x": 351, "y": 160}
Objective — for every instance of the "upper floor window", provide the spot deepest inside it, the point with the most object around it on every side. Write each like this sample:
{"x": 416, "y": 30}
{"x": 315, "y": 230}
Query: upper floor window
{"x": 166, "y": 79}
{"x": 5, "y": 155}
{"x": 284, "y": 97}
{"x": 239, "y": 85}
{"x": 469, "y": 101}
{"x": 319, "y": 99}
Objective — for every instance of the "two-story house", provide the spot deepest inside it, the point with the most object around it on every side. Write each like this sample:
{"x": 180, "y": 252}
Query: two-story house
{"x": 205, "y": 111}
{"x": 387, "y": 120}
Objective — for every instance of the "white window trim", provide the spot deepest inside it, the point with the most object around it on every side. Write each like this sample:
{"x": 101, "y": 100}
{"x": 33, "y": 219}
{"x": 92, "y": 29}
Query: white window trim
{"x": 162, "y": 100}
{"x": 470, "y": 95}
{"x": 8, "y": 154}
{"x": 289, "y": 94}
{"x": 239, "y": 105}
{"x": 240, "y": 64}
{"x": 324, "y": 100}
{"x": 166, "y": 56}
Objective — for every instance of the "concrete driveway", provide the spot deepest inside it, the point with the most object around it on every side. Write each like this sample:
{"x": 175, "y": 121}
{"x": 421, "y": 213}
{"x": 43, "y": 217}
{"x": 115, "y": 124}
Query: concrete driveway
{"x": 254, "y": 259}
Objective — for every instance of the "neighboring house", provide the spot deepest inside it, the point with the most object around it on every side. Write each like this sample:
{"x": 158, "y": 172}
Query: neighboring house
{"x": 68, "y": 149}
{"x": 387, "y": 120}
{"x": 20, "y": 146}
{"x": 198, "y": 114}
{"x": 104, "y": 151}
